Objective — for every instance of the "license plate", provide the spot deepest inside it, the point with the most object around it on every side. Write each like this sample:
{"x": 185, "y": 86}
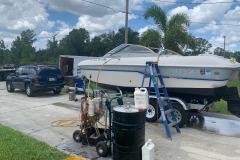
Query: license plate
{"x": 52, "y": 79}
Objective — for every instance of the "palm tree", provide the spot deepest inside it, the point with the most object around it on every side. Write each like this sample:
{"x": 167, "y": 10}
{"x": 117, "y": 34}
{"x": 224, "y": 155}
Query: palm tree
{"x": 174, "y": 32}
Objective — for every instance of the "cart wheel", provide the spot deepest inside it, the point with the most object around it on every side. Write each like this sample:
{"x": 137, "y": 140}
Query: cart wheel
{"x": 76, "y": 136}
{"x": 101, "y": 149}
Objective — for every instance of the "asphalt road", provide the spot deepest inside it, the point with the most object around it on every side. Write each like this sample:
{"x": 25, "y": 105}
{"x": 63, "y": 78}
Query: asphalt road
{"x": 34, "y": 115}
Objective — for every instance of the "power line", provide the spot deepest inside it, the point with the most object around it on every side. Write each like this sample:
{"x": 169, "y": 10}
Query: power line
{"x": 161, "y": 1}
{"x": 217, "y": 24}
{"x": 197, "y": 2}
{"x": 104, "y": 6}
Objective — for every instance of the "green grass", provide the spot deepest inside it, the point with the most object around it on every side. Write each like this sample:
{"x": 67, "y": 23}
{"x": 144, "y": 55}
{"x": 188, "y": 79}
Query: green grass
{"x": 15, "y": 145}
{"x": 221, "y": 106}
{"x": 64, "y": 90}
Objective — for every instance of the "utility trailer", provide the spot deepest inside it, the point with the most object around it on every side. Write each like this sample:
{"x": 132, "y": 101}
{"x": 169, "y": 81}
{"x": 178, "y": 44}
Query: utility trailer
{"x": 68, "y": 66}
{"x": 5, "y": 70}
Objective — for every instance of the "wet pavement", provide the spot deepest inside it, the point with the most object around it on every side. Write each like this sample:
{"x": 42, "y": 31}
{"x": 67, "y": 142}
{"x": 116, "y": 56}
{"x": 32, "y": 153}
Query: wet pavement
{"x": 81, "y": 150}
{"x": 215, "y": 125}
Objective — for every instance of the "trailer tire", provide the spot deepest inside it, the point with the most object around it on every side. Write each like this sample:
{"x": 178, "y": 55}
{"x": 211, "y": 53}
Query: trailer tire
{"x": 9, "y": 87}
{"x": 76, "y": 136}
{"x": 101, "y": 149}
{"x": 152, "y": 115}
{"x": 180, "y": 114}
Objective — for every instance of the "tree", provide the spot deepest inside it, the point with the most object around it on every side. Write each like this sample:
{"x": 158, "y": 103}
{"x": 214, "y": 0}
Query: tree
{"x": 173, "y": 30}
{"x": 75, "y": 42}
{"x": 236, "y": 55}
{"x": 151, "y": 38}
{"x": 101, "y": 44}
{"x": 119, "y": 38}
{"x": 197, "y": 46}
{"x": 221, "y": 52}
{"x": 22, "y": 49}
{"x": 2, "y": 51}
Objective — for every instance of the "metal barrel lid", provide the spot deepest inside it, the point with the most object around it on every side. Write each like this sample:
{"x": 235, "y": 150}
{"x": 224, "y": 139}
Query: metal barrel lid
{"x": 126, "y": 109}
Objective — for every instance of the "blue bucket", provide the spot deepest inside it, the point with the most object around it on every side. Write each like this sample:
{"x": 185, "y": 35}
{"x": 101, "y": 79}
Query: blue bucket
{"x": 79, "y": 84}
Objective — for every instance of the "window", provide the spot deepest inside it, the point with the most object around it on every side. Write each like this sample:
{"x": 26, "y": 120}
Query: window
{"x": 25, "y": 71}
{"x": 19, "y": 71}
{"x": 134, "y": 48}
{"x": 49, "y": 70}
{"x": 32, "y": 71}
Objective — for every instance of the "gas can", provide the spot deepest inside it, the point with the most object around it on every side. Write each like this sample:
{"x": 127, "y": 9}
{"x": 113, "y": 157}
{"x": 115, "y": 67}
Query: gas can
{"x": 141, "y": 98}
{"x": 148, "y": 151}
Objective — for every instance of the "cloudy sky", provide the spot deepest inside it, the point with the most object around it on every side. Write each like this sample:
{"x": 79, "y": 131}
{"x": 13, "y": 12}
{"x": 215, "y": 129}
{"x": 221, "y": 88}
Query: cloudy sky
{"x": 211, "y": 19}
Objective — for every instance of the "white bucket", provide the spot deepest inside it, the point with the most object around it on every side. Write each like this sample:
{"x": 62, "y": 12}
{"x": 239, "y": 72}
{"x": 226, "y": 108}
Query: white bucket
{"x": 90, "y": 107}
{"x": 97, "y": 104}
{"x": 72, "y": 96}
{"x": 141, "y": 98}
{"x": 148, "y": 151}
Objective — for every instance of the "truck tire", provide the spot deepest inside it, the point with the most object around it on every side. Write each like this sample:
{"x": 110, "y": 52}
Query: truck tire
{"x": 29, "y": 91}
{"x": 9, "y": 87}
{"x": 180, "y": 114}
{"x": 1, "y": 77}
{"x": 152, "y": 115}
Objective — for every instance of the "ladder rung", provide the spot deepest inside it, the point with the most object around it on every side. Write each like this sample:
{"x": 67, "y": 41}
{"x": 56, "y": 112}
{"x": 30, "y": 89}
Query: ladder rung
{"x": 149, "y": 75}
{"x": 172, "y": 124}
{"x": 158, "y": 74}
{"x": 168, "y": 111}
{"x": 161, "y": 86}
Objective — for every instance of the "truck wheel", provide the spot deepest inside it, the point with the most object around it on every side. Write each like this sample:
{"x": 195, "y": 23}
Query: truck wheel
{"x": 101, "y": 149}
{"x": 57, "y": 91}
{"x": 9, "y": 87}
{"x": 180, "y": 115}
{"x": 152, "y": 114}
{"x": 29, "y": 90}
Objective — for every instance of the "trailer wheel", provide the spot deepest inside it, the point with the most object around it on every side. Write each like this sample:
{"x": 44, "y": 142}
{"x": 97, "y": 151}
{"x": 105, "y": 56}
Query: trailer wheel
{"x": 152, "y": 114}
{"x": 101, "y": 148}
{"x": 77, "y": 136}
{"x": 180, "y": 115}
{"x": 9, "y": 87}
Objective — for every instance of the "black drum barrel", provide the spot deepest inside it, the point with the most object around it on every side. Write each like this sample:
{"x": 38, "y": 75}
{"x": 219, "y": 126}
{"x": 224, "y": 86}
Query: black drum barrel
{"x": 129, "y": 133}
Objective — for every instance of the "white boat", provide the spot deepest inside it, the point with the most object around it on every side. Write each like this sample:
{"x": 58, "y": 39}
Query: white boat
{"x": 192, "y": 78}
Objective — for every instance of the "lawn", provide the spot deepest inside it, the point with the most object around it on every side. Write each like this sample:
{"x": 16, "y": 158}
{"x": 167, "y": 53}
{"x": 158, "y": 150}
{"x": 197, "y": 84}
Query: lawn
{"x": 15, "y": 145}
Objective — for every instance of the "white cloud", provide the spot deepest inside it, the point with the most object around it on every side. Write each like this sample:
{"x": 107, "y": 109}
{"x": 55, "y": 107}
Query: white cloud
{"x": 232, "y": 14}
{"x": 162, "y": 3}
{"x": 213, "y": 27}
{"x": 100, "y": 25}
{"x": 204, "y": 12}
{"x": 141, "y": 30}
{"x": 18, "y": 16}
{"x": 92, "y": 8}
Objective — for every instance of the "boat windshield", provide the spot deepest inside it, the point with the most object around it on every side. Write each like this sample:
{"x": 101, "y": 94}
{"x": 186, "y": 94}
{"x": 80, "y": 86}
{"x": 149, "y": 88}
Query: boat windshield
{"x": 127, "y": 48}
{"x": 134, "y": 50}
{"x": 168, "y": 52}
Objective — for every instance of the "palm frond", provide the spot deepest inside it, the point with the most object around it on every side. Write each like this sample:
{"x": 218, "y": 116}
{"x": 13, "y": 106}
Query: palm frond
{"x": 158, "y": 15}
{"x": 179, "y": 19}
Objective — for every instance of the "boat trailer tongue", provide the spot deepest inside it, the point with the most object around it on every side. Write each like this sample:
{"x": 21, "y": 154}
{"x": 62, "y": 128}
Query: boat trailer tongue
{"x": 233, "y": 100}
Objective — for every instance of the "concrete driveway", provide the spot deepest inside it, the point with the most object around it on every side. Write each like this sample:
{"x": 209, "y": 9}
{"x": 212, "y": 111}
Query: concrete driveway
{"x": 33, "y": 116}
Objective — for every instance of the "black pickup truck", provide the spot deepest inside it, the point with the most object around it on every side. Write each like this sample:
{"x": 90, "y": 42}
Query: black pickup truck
{"x": 5, "y": 70}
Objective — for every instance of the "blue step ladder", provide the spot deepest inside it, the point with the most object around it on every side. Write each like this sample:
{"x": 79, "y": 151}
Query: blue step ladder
{"x": 153, "y": 75}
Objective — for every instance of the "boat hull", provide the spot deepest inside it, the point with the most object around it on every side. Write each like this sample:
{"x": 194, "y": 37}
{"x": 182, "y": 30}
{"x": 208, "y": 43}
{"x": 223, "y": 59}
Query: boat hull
{"x": 174, "y": 77}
